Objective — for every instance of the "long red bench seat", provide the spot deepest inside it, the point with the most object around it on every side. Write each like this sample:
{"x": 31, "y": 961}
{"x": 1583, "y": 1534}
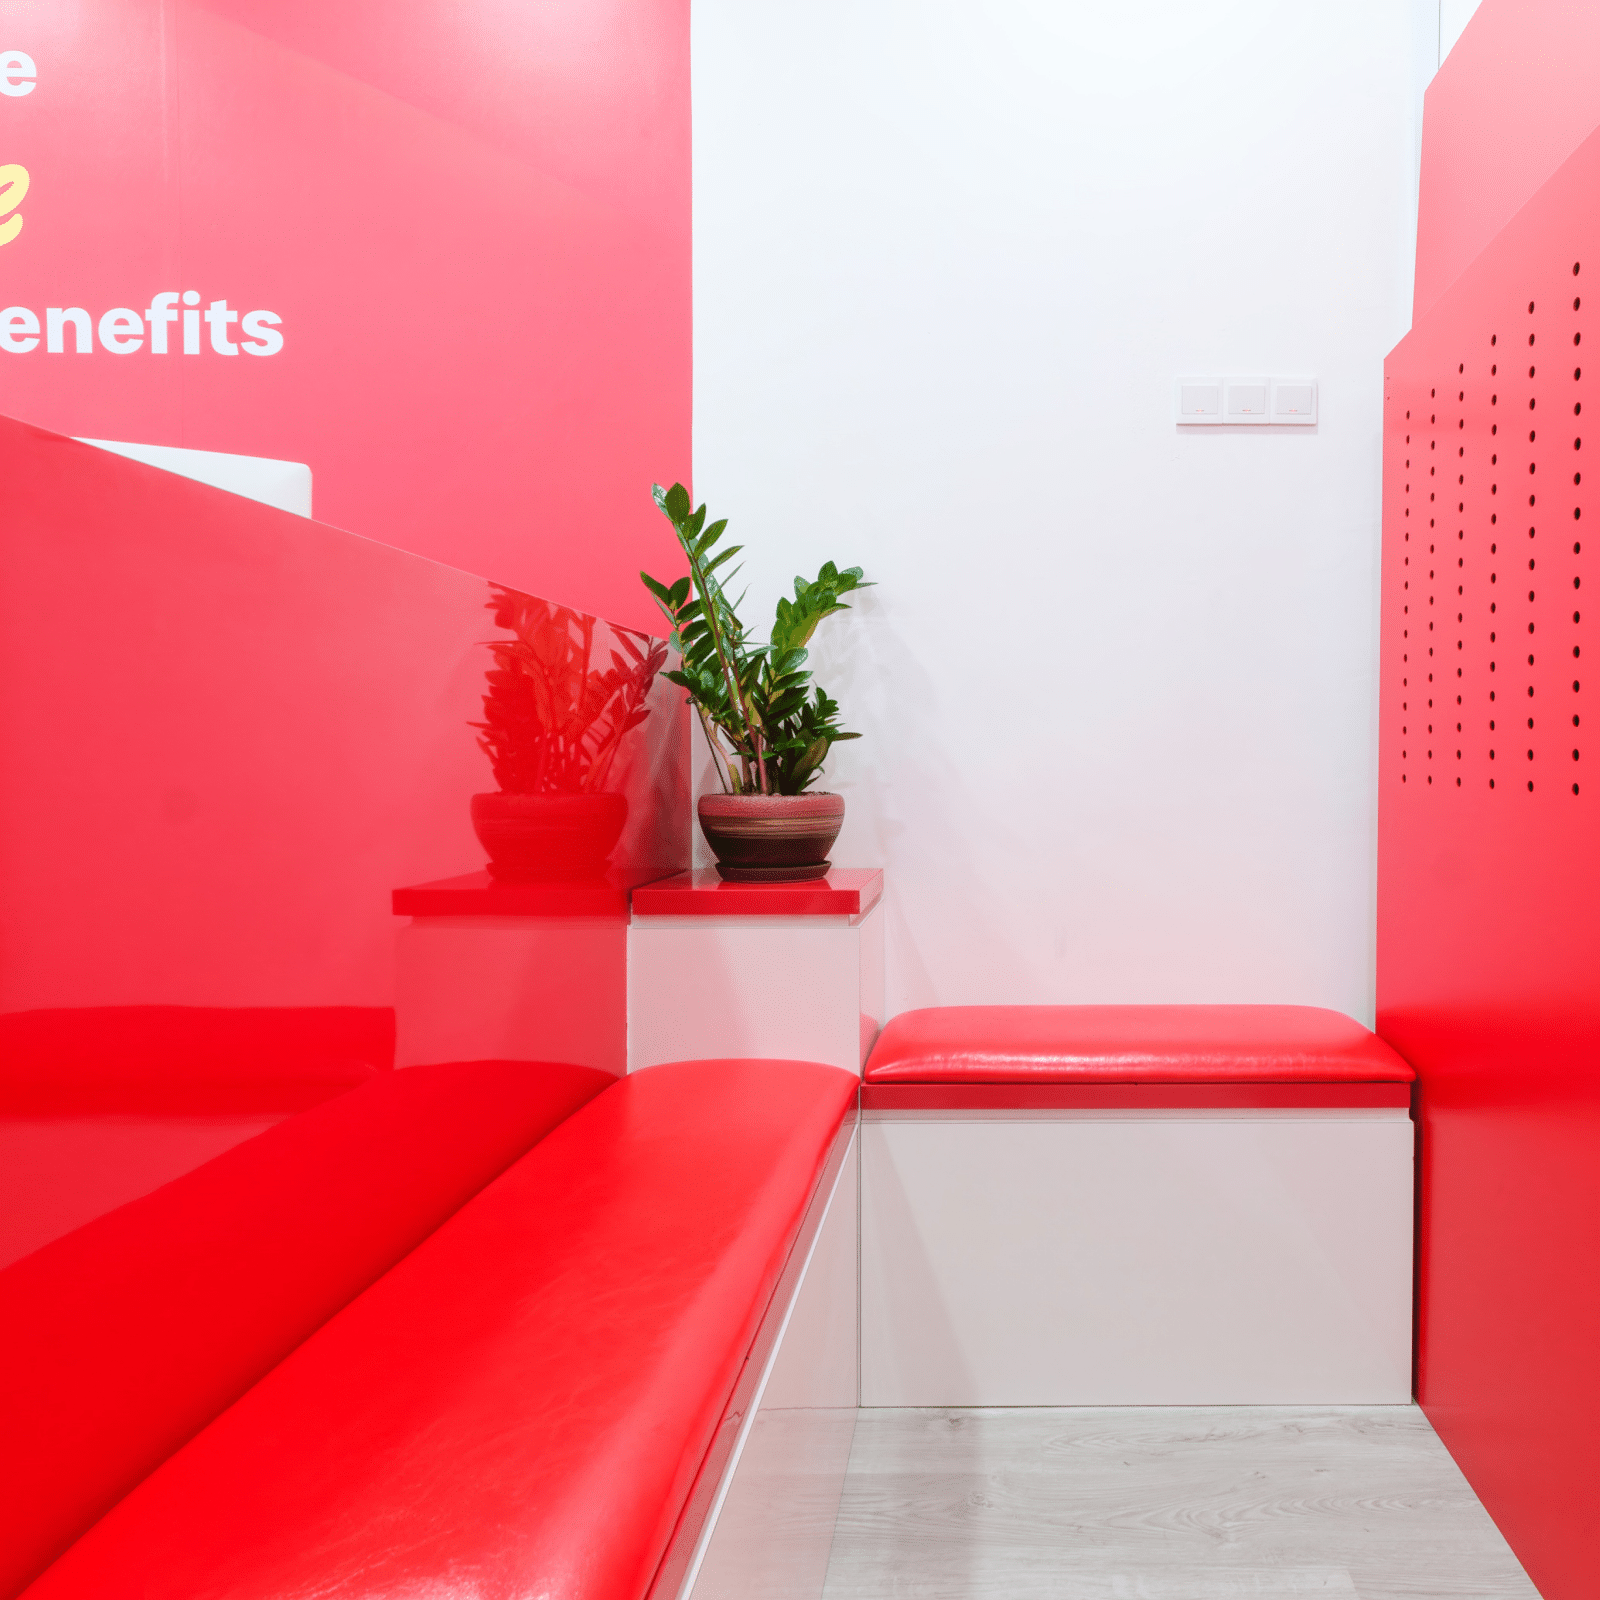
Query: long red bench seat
{"x": 1161, "y": 1054}
{"x": 525, "y": 1403}
{"x": 120, "y": 1340}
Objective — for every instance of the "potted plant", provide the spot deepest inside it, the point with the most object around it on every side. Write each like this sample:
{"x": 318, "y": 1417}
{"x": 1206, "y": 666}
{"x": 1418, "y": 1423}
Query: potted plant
{"x": 769, "y": 728}
{"x": 554, "y": 719}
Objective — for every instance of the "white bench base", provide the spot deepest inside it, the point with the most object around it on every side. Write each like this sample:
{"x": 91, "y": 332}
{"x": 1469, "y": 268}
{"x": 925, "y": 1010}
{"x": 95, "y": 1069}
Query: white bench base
{"x": 1238, "y": 1257}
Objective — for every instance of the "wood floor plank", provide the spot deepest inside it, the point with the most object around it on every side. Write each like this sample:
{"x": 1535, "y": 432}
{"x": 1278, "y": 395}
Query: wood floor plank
{"x": 1190, "y": 1503}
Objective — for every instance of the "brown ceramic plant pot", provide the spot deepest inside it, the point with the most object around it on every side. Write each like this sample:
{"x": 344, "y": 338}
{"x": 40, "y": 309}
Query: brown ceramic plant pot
{"x": 771, "y": 838}
{"x": 543, "y": 837}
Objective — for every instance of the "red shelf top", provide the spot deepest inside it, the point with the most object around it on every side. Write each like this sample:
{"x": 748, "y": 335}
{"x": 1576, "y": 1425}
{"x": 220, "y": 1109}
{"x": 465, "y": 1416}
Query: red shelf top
{"x": 476, "y": 894}
{"x": 845, "y": 892}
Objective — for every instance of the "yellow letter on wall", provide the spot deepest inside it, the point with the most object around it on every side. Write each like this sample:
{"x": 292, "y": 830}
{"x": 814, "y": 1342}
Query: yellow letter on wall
{"x": 13, "y": 187}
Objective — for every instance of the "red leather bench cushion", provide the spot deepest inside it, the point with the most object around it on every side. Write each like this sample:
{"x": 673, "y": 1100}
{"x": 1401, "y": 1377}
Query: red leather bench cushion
{"x": 120, "y": 1341}
{"x": 1131, "y": 1044}
{"x": 520, "y": 1407}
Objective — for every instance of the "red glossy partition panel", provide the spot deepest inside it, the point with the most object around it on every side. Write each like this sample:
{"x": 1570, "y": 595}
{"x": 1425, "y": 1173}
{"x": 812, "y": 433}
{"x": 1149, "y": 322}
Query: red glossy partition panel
{"x": 438, "y": 252}
{"x": 1489, "y": 860}
{"x": 229, "y": 734}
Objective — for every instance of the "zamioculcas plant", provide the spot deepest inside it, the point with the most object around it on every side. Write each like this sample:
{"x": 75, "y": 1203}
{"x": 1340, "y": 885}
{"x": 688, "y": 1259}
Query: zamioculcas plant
{"x": 769, "y": 727}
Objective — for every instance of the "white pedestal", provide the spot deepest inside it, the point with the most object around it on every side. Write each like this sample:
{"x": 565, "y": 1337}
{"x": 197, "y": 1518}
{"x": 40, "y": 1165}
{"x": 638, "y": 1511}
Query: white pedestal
{"x": 1136, "y": 1258}
{"x": 798, "y": 988}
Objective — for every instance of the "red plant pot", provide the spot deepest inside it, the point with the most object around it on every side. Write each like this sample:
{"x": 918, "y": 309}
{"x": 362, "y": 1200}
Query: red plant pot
{"x": 533, "y": 837}
{"x": 771, "y": 838}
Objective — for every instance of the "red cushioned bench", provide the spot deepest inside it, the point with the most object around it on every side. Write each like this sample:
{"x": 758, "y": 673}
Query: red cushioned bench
{"x": 1135, "y": 1205}
{"x": 539, "y": 1398}
{"x": 120, "y": 1340}
{"x": 1157, "y": 1056}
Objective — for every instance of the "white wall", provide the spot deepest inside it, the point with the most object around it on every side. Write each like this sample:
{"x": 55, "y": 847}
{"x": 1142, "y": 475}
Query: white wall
{"x": 1118, "y": 681}
{"x": 1454, "y": 15}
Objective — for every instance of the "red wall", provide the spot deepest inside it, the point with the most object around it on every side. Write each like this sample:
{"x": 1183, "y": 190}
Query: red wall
{"x": 472, "y": 221}
{"x": 1489, "y": 855}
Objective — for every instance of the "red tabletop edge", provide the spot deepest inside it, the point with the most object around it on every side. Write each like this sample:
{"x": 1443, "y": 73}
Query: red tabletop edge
{"x": 476, "y": 894}
{"x": 845, "y": 892}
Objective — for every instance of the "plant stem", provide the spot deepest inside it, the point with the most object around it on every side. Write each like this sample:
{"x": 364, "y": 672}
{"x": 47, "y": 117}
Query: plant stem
{"x": 718, "y": 760}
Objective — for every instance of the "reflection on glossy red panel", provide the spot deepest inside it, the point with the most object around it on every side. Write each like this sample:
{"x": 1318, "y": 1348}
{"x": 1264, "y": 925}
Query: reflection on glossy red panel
{"x": 195, "y": 1059}
{"x": 1489, "y": 861}
{"x": 566, "y": 697}
{"x": 123, "y": 1339}
{"x": 229, "y": 734}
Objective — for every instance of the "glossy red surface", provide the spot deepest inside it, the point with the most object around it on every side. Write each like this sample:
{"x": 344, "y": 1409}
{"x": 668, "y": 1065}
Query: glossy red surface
{"x": 845, "y": 892}
{"x": 219, "y": 821}
{"x": 197, "y": 1060}
{"x": 472, "y": 222}
{"x": 1519, "y": 91}
{"x": 1488, "y": 874}
{"x": 524, "y": 1403}
{"x": 1130, "y": 1096}
{"x": 123, "y": 1339}
{"x": 476, "y": 894}
{"x": 204, "y": 811}
{"x": 1151, "y": 1044}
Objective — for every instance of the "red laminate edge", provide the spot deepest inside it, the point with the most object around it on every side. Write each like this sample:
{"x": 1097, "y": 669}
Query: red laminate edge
{"x": 1130, "y": 1096}
{"x": 476, "y": 894}
{"x": 845, "y": 892}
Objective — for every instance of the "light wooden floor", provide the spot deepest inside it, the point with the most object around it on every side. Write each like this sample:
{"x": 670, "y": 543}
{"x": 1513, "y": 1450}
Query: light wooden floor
{"x": 1155, "y": 1504}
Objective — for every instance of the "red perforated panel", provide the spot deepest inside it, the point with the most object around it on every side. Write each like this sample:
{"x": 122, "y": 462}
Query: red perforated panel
{"x": 1484, "y": 465}
{"x": 1489, "y": 860}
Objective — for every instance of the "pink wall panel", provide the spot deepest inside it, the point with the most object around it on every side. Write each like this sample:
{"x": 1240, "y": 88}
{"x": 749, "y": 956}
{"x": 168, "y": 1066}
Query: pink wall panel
{"x": 1489, "y": 859}
{"x": 1517, "y": 94}
{"x": 472, "y": 223}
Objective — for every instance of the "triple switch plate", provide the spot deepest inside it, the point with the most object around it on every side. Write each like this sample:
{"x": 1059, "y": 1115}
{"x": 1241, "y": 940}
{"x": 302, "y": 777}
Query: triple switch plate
{"x": 1248, "y": 401}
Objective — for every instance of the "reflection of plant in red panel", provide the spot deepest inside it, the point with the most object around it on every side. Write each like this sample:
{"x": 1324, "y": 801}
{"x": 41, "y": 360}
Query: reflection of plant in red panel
{"x": 555, "y": 718}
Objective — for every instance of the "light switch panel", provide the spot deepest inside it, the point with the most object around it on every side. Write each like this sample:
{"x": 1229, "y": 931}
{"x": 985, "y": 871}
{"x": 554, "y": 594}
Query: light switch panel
{"x": 1252, "y": 402}
{"x": 1199, "y": 400}
{"x": 1245, "y": 400}
{"x": 1294, "y": 400}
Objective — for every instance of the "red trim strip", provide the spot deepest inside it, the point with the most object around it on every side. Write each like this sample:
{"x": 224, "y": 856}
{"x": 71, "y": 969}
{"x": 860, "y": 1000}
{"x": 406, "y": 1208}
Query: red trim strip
{"x": 1129, "y": 1096}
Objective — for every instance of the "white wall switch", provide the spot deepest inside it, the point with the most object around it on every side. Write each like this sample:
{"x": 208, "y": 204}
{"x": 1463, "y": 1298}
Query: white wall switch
{"x": 1200, "y": 400}
{"x": 1294, "y": 400}
{"x": 1245, "y": 400}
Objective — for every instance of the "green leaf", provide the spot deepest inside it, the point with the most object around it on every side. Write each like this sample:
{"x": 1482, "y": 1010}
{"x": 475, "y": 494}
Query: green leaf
{"x": 674, "y": 501}
{"x": 657, "y": 588}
